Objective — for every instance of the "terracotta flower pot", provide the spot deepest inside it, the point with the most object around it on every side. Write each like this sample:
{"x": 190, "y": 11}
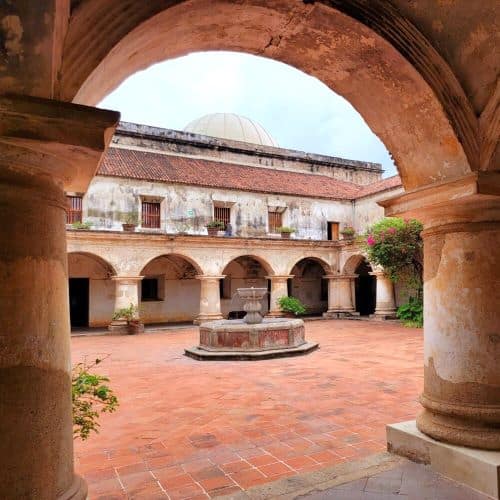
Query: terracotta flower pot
{"x": 128, "y": 228}
{"x": 286, "y": 235}
{"x": 134, "y": 327}
{"x": 213, "y": 231}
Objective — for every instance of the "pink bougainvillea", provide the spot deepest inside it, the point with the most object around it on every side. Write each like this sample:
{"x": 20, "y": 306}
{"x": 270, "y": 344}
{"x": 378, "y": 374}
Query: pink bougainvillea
{"x": 370, "y": 241}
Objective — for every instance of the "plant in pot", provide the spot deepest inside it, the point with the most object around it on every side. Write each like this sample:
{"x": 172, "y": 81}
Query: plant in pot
{"x": 291, "y": 306}
{"x": 286, "y": 231}
{"x": 214, "y": 226}
{"x": 130, "y": 223}
{"x": 129, "y": 314}
{"x": 81, "y": 225}
{"x": 348, "y": 233}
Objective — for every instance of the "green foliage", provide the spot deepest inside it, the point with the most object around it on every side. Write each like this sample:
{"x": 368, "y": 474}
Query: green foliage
{"x": 81, "y": 225}
{"x": 215, "y": 223}
{"x": 292, "y": 305}
{"x": 90, "y": 397}
{"x": 285, "y": 229}
{"x": 396, "y": 245}
{"x": 348, "y": 231}
{"x": 412, "y": 313}
{"x": 127, "y": 313}
{"x": 131, "y": 218}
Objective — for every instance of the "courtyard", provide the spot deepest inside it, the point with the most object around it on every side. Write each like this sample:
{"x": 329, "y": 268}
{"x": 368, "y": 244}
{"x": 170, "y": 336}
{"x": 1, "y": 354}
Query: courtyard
{"x": 191, "y": 429}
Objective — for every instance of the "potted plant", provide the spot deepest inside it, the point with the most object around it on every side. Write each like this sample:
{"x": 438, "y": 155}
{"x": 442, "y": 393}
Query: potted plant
{"x": 285, "y": 231}
{"x": 214, "y": 226}
{"x": 291, "y": 306}
{"x": 130, "y": 223}
{"x": 81, "y": 225}
{"x": 129, "y": 314}
{"x": 348, "y": 233}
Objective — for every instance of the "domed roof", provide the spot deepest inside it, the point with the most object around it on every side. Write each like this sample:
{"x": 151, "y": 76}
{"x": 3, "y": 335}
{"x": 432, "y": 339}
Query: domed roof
{"x": 232, "y": 127}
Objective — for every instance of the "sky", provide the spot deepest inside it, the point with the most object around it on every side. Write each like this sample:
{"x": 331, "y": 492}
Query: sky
{"x": 298, "y": 110}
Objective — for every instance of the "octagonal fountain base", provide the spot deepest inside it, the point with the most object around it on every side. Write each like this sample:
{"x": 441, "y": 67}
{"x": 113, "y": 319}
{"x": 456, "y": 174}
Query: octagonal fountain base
{"x": 238, "y": 340}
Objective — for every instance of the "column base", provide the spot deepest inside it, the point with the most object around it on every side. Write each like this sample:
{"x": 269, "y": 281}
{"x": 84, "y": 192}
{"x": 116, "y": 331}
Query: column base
{"x": 459, "y": 431}
{"x": 478, "y": 469}
{"x": 207, "y": 317}
{"x": 120, "y": 327}
{"x": 383, "y": 315}
{"x": 275, "y": 314}
{"x": 77, "y": 491}
{"x": 338, "y": 314}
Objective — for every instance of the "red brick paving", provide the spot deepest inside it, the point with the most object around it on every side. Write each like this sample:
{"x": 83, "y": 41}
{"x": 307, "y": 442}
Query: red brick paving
{"x": 199, "y": 429}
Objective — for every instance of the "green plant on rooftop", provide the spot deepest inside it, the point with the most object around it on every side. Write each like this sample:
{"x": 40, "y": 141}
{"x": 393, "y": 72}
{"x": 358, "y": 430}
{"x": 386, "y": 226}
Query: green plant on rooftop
{"x": 81, "y": 225}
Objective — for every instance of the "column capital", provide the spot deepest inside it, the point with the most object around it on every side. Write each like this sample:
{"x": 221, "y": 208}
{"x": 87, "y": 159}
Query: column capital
{"x": 127, "y": 279}
{"x": 340, "y": 276}
{"x": 204, "y": 277}
{"x": 279, "y": 277}
{"x": 470, "y": 199}
{"x": 44, "y": 136}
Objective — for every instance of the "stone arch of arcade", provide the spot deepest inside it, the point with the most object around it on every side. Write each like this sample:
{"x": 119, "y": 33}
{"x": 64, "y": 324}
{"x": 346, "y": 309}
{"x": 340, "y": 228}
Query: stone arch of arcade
{"x": 90, "y": 288}
{"x": 242, "y": 272}
{"x": 169, "y": 290}
{"x": 385, "y": 59}
{"x": 309, "y": 285}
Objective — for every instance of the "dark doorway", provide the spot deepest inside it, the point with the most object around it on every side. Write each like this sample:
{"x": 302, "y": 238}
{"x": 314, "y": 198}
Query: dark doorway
{"x": 365, "y": 289}
{"x": 79, "y": 301}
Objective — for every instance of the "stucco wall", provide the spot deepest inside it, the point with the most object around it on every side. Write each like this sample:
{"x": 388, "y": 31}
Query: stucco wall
{"x": 188, "y": 208}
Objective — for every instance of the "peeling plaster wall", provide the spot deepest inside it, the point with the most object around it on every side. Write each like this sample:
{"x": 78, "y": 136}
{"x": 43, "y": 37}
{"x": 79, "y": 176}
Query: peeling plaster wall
{"x": 188, "y": 208}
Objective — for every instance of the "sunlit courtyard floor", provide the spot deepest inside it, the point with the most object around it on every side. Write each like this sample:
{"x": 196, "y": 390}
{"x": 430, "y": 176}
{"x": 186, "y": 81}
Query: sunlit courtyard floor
{"x": 193, "y": 429}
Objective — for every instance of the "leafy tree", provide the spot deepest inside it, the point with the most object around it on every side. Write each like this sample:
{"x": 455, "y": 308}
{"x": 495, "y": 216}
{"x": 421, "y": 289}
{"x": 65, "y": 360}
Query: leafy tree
{"x": 90, "y": 397}
{"x": 396, "y": 245}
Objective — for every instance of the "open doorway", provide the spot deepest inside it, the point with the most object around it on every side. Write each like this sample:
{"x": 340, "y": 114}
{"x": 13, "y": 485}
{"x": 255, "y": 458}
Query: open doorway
{"x": 79, "y": 302}
{"x": 365, "y": 289}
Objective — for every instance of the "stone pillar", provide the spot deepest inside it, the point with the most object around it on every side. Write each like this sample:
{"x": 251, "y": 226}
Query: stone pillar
{"x": 340, "y": 295}
{"x": 126, "y": 293}
{"x": 209, "y": 299}
{"x": 45, "y": 148}
{"x": 279, "y": 288}
{"x": 385, "y": 306}
{"x": 461, "y": 397}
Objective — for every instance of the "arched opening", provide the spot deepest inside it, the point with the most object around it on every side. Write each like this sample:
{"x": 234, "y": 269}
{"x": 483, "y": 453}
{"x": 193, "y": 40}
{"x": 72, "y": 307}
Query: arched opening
{"x": 308, "y": 284}
{"x": 242, "y": 272}
{"x": 91, "y": 291}
{"x": 365, "y": 288}
{"x": 169, "y": 291}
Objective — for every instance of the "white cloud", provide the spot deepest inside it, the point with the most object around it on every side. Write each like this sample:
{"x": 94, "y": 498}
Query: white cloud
{"x": 297, "y": 109}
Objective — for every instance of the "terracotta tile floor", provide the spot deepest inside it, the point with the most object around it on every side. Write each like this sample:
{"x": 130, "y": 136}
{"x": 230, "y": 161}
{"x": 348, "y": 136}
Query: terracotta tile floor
{"x": 194, "y": 429}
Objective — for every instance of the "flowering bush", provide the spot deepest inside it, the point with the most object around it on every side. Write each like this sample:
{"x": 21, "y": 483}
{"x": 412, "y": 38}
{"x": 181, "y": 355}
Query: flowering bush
{"x": 396, "y": 245}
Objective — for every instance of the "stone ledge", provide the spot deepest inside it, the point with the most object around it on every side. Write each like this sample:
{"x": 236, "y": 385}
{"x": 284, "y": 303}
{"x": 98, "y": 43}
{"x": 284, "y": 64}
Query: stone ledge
{"x": 203, "y": 355}
{"x": 478, "y": 469}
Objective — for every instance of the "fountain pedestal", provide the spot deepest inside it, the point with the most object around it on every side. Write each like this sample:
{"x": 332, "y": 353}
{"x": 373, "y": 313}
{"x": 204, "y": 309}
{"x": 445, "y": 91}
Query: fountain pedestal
{"x": 252, "y": 337}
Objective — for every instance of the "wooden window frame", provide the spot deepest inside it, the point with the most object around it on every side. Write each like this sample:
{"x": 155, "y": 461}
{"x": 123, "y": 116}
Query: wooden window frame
{"x": 333, "y": 231}
{"x": 150, "y": 214}
{"x": 223, "y": 214}
{"x": 274, "y": 221}
{"x": 74, "y": 212}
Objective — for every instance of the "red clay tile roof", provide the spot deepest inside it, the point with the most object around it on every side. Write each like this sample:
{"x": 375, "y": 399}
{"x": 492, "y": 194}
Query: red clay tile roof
{"x": 382, "y": 185}
{"x": 150, "y": 166}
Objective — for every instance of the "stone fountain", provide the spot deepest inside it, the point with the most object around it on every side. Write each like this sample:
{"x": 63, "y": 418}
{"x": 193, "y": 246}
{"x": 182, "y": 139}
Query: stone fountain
{"x": 252, "y": 337}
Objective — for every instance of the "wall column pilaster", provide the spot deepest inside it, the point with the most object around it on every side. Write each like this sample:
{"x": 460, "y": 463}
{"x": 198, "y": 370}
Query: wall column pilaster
{"x": 279, "y": 288}
{"x": 385, "y": 305}
{"x": 340, "y": 295}
{"x": 126, "y": 294}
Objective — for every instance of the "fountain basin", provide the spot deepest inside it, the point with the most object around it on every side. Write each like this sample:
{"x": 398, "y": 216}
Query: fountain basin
{"x": 237, "y": 339}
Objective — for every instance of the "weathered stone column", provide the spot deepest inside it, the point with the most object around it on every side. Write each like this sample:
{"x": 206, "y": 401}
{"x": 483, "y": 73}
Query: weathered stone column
{"x": 279, "y": 288}
{"x": 45, "y": 146}
{"x": 385, "y": 306}
{"x": 209, "y": 298}
{"x": 461, "y": 397}
{"x": 126, "y": 293}
{"x": 340, "y": 295}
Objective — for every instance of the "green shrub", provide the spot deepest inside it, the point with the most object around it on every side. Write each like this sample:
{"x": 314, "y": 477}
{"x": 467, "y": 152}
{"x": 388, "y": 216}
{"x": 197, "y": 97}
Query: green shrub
{"x": 412, "y": 313}
{"x": 90, "y": 397}
{"x": 285, "y": 229}
{"x": 81, "y": 225}
{"x": 127, "y": 313}
{"x": 215, "y": 223}
{"x": 292, "y": 305}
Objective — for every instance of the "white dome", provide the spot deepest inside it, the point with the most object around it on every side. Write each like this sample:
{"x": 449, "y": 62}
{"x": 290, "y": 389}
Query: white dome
{"x": 232, "y": 127}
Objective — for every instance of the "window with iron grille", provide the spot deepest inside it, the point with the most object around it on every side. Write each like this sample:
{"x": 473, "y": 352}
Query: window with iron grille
{"x": 223, "y": 214}
{"x": 74, "y": 210}
{"x": 275, "y": 221}
{"x": 150, "y": 214}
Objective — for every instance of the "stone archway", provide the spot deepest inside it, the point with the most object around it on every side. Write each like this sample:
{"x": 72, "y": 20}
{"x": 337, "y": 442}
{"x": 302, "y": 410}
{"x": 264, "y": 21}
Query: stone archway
{"x": 308, "y": 284}
{"x": 90, "y": 290}
{"x": 243, "y": 272}
{"x": 169, "y": 291}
